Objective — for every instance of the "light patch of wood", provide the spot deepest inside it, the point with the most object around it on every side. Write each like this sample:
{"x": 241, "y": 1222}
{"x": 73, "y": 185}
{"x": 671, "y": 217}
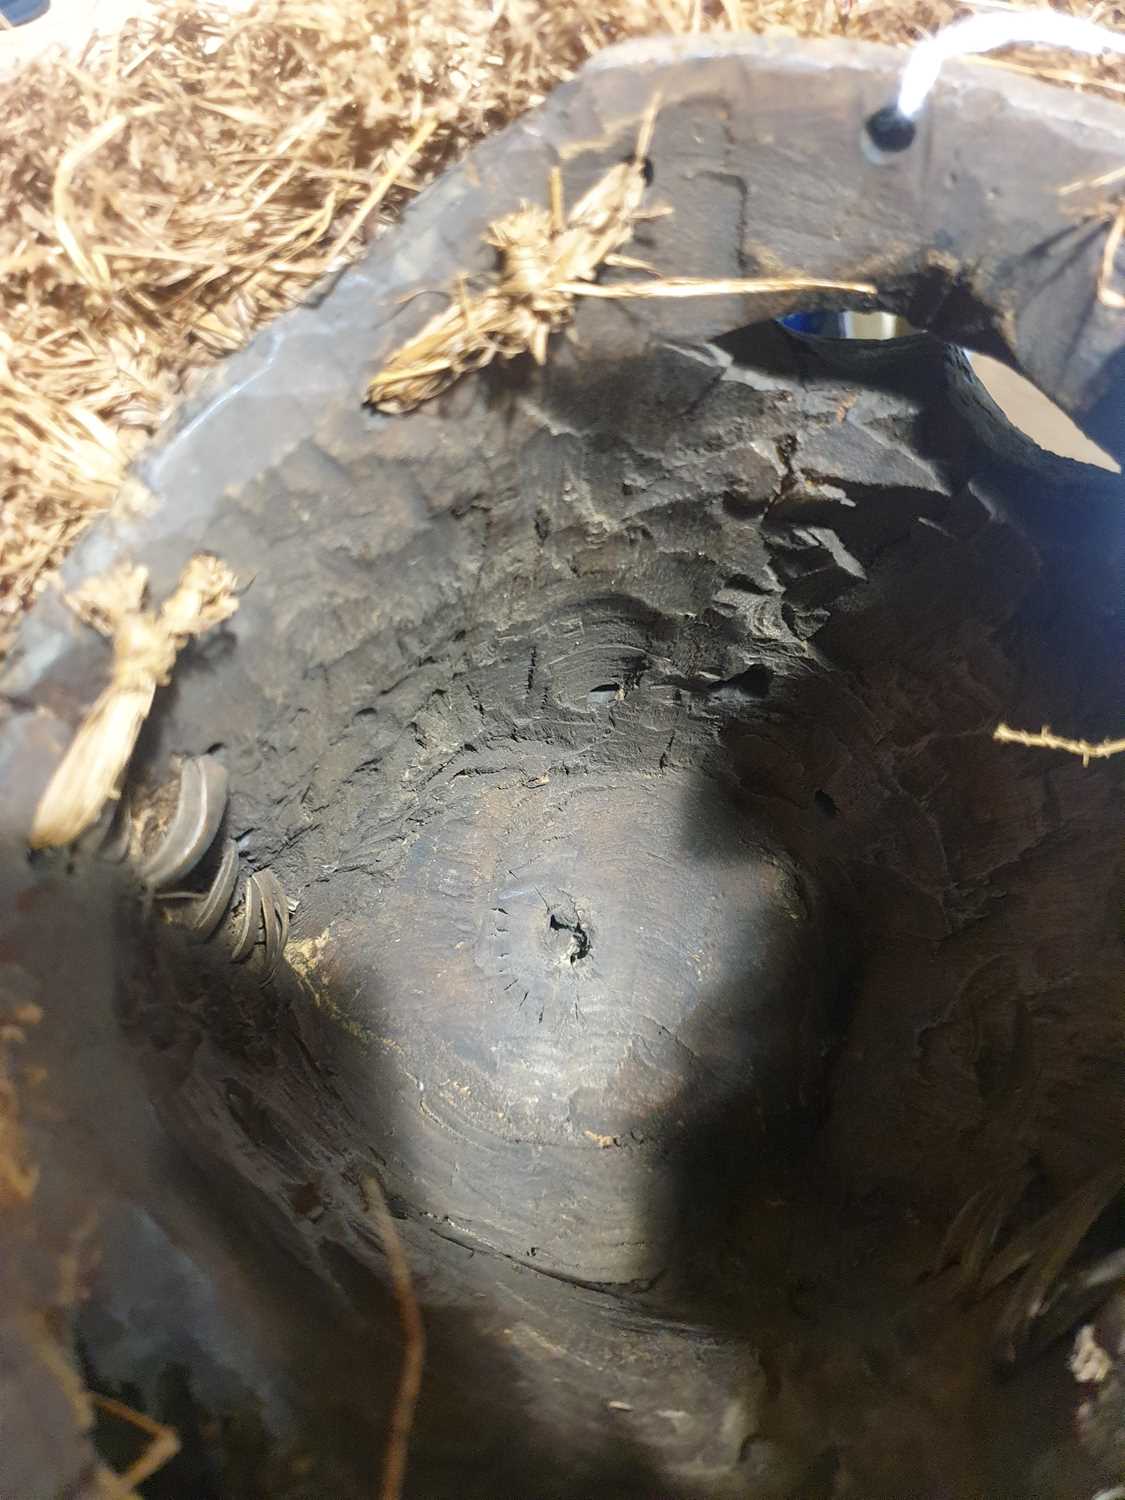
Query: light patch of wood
{"x": 1089, "y": 1363}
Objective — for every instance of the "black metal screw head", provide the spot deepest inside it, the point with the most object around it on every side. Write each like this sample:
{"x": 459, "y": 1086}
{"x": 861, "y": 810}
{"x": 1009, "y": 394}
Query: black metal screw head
{"x": 889, "y": 130}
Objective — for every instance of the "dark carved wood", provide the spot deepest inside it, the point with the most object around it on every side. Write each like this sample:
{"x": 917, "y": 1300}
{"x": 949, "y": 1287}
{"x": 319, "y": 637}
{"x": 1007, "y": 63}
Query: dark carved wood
{"x": 674, "y": 942}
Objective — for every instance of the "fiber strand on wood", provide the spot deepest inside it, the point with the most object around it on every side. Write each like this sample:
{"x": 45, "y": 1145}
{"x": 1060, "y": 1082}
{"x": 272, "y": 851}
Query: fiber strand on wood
{"x": 413, "y": 1336}
{"x": 164, "y": 1442}
{"x": 1046, "y": 740}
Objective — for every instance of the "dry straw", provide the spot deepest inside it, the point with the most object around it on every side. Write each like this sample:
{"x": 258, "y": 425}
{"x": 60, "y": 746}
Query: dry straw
{"x": 19, "y": 1179}
{"x": 180, "y": 185}
{"x": 163, "y": 1444}
{"x": 1044, "y": 739}
{"x": 547, "y": 259}
{"x": 18, "y": 1173}
{"x": 413, "y": 1342}
{"x": 163, "y": 198}
{"x": 145, "y": 647}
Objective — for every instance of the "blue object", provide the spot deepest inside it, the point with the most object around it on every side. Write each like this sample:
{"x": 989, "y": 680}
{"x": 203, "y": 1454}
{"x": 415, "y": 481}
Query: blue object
{"x": 19, "y": 12}
{"x": 826, "y": 324}
{"x": 802, "y": 322}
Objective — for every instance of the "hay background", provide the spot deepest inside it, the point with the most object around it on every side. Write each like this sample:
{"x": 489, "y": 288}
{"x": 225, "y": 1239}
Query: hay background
{"x": 191, "y": 175}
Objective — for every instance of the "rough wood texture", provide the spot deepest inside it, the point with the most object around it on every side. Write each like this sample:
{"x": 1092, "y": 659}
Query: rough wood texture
{"x": 670, "y": 924}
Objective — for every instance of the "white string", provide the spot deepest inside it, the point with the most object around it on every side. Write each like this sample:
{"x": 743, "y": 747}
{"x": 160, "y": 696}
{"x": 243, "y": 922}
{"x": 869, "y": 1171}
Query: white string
{"x": 985, "y": 33}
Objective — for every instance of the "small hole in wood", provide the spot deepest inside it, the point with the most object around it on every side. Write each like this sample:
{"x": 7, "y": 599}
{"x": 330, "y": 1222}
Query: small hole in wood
{"x": 889, "y": 131}
{"x": 824, "y": 804}
{"x": 753, "y": 683}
